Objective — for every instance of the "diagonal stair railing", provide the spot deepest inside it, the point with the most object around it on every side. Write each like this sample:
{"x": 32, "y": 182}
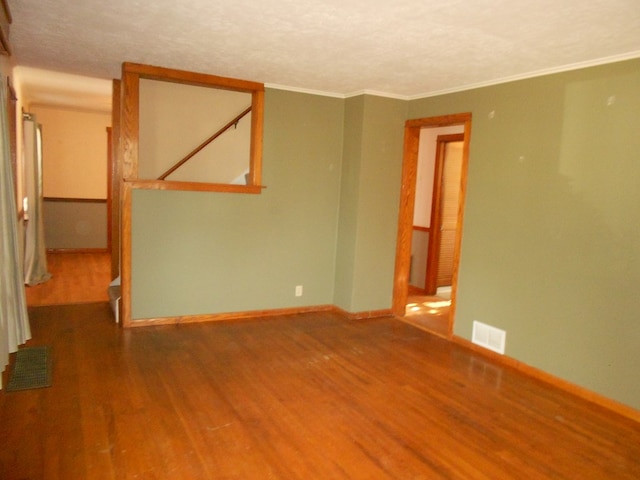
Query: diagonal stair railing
{"x": 204, "y": 144}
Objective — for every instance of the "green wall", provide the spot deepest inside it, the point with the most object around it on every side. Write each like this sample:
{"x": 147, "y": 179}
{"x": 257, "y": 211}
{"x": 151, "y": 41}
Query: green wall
{"x": 202, "y": 252}
{"x": 350, "y": 186}
{"x": 371, "y": 175}
{"x": 322, "y": 222}
{"x": 551, "y": 236}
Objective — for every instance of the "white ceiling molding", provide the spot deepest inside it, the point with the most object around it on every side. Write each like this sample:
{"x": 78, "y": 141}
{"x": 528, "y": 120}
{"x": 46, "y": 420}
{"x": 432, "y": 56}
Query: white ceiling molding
{"x": 541, "y": 73}
{"x": 303, "y": 90}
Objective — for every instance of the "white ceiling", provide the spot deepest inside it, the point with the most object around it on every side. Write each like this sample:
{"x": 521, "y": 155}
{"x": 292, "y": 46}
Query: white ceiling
{"x": 403, "y": 48}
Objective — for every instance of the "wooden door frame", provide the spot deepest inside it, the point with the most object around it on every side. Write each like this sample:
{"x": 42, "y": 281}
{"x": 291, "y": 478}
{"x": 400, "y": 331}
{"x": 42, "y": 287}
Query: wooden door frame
{"x": 116, "y": 180}
{"x": 435, "y": 237}
{"x": 407, "y": 200}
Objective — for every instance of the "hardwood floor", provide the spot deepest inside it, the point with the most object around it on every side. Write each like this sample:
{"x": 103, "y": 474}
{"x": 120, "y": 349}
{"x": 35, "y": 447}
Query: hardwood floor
{"x": 313, "y": 396}
{"x": 428, "y": 312}
{"x": 76, "y": 278}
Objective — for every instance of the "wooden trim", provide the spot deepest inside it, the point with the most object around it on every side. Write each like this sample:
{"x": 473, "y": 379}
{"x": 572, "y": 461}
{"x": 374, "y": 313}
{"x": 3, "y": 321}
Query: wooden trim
{"x": 180, "y": 76}
{"x": 460, "y": 222}
{"x": 436, "y": 218}
{"x": 77, "y": 250}
{"x": 193, "y": 186}
{"x": 131, "y": 74}
{"x": 216, "y": 317}
{"x": 125, "y": 255}
{"x": 74, "y": 200}
{"x": 257, "y": 131}
{"x": 441, "y": 121}
{"x": 128, "y": 152}
{"x": 248, "y": 315}
{"x": 129, "y": 125}
{"x": 541, "y": 375}
{"x": 116, "y": 179}
{"x": 109, "y": 184}
{"x": 421, "y": 229}
{"x": 5, "y": 22}
{"x": 405, "y": 218}
{"x": 407, "y": 199}
{"x": 126, "y": 241}
{"x": 7, "y": 11}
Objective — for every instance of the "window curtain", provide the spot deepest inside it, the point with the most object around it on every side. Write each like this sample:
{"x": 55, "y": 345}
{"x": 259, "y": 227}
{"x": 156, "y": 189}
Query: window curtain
{"x": 14, "y": 320}
{"x": 35, "y": 255}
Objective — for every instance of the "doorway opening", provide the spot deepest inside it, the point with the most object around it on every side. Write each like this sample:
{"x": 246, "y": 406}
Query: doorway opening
{"x": 436, "y": 152}
{"x": 68, "y": 228}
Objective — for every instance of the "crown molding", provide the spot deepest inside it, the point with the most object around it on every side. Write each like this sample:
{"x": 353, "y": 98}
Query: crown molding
{"x": 376, "y": 93}
{"x": 514, "y": 78}
{"x": 309, "y": 91}
{"x": 534, "y": 74}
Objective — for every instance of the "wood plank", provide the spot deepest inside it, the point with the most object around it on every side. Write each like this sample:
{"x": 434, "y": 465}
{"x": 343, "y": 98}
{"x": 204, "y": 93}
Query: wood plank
{"x": 309, "y": 396}
{"x": 128, "y": 139}
{"x": 193, "y": 78}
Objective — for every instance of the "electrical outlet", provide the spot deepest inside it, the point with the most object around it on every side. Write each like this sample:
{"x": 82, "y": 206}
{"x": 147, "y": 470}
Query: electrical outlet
{"x": 298, "y": 290}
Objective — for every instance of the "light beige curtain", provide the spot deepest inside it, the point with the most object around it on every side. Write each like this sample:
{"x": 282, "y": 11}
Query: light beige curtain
{"x": 35, "y": 255}
{"x": 14, "y": 320}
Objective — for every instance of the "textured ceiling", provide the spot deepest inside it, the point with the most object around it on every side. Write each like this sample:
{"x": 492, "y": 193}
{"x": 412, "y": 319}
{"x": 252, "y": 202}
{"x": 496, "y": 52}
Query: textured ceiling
{"x": 405, "y": 48}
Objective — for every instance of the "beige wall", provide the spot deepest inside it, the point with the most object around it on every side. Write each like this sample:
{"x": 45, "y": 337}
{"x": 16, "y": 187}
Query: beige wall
{"x": 176, "y": 118}
{"x": 74, "y": 152}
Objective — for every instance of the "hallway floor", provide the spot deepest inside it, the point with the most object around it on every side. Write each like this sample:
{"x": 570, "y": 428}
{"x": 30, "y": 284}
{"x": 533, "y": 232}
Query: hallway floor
{"x": 429, "y": 312}
{"x": 76, "y": 278}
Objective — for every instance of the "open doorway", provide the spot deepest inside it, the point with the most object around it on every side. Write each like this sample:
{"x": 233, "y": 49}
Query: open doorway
{"x": 69, "y": 231}
{"x": 74, "y": 113}
{"x": 75, "y": 171}
{"x": 434, "y": 174}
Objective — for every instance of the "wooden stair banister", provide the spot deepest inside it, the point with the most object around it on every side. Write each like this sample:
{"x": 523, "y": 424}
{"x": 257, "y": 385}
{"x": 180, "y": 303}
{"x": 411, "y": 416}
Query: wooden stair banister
{"x": 204, "y": 144}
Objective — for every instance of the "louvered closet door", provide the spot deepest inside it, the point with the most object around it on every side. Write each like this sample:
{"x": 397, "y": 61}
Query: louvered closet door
{"x": 450, "y": 205}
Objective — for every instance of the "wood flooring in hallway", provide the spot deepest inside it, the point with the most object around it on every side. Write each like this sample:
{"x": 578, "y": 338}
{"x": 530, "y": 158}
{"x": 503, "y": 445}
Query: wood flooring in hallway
{"x": 75, "y": 278}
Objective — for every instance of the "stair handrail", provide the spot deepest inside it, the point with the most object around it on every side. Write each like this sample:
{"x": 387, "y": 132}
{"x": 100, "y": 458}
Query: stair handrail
{"x": 204, "y": 144}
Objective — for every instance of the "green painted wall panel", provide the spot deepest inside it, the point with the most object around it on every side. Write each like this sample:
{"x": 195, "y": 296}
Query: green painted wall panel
{"x": 551, "y": 239}
{"x": 202, "y": 252}
{"x": 349, "y": 188}
{"x": 378, "y": 203}
{"x": 372, "y": 161}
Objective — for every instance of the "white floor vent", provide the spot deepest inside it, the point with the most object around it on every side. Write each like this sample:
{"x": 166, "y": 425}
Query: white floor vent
{"x": 489, "y": 337}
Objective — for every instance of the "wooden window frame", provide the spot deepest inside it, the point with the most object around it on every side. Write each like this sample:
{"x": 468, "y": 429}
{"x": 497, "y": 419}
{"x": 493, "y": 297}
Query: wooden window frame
{"x": 130, "y": 129}
{"x": 126, "y": 138}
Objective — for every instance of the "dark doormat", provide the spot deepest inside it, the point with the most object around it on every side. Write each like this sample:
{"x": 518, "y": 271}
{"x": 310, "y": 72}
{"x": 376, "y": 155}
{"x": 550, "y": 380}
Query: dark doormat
{"x": 31, "y": 370}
